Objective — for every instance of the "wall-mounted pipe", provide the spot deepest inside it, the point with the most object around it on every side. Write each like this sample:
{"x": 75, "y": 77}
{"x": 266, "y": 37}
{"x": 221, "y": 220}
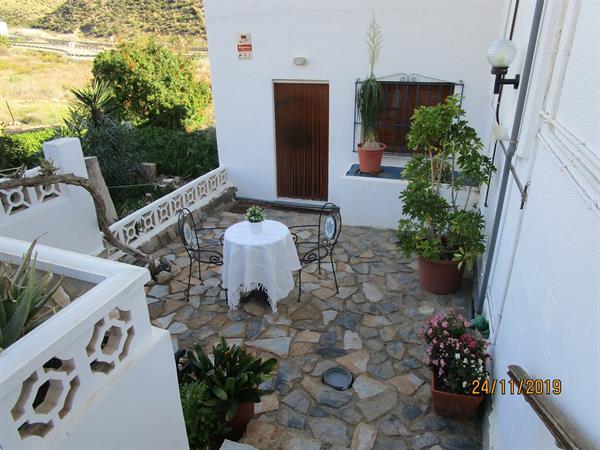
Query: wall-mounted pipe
{"x": 512, "y": 148}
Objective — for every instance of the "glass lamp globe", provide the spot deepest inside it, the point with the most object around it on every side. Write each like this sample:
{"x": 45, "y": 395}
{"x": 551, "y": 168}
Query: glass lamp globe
{"x": 502, "y": 53}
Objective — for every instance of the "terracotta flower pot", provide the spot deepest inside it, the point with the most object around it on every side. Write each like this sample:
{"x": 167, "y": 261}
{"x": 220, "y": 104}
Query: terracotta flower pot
{"x": 449, "y": 404}
{"x": 238, "y": 424}
{"x": 370, "y": 160}
{"x": 439, "y": 277}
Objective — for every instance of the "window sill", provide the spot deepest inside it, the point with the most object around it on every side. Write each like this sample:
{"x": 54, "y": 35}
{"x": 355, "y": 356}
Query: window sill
{"x": 389, "y": 173}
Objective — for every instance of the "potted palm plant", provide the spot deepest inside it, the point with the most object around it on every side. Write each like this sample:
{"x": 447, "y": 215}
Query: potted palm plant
{"x": 458, "y": 364}
{"x": 440, "y": 226}
{"x": 230, "y": 386}
{"x": 369, "y": 102}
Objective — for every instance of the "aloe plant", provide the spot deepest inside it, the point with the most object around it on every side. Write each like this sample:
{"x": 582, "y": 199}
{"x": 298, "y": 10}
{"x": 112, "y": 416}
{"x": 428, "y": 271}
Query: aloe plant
{"x": 232, "y": 378}
{"x": 22, "y": 297}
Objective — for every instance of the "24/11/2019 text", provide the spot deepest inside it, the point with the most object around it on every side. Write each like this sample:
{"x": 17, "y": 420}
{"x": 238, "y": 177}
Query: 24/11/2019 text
{"x": 531, "y": 386}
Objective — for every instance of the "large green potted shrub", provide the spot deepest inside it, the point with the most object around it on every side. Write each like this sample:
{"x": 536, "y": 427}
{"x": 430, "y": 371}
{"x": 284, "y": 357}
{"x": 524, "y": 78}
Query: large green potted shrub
{"x": 439, "y": 224}
{"x": 369, "y": 102}
{"x": 231, "y": 379}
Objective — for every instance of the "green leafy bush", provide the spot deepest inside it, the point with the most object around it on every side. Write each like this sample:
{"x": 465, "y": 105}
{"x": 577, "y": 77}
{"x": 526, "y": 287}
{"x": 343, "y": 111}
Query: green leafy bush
{"x": 113, "y": 143}
{"x": 22, "y": 297}
{"x": 177, "y": 152}
{"x": 212, "y": 390}
{"x": 204, "y": 426}
{"x": 436, "y": 227}
{"x": 23, "y": 148}
{"x": 153, "y": 84}
{"x": 131, "y": 198}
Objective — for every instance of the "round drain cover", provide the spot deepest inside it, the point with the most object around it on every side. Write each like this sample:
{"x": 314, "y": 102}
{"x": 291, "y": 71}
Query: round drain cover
{"x": 338, "y": 378}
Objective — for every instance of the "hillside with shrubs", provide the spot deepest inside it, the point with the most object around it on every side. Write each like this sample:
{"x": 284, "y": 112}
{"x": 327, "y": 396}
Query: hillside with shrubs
{"x": 104, "y": 18}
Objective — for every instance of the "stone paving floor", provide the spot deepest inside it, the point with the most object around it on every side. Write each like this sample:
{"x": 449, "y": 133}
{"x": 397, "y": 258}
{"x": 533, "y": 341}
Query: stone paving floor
{"x": 370, "y": 327}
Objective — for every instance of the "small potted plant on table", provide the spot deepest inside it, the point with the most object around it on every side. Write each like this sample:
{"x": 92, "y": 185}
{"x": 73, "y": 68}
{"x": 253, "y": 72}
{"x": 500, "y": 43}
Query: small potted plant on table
{"x": 369, "y": 102}
{"x": 218, "y": 395}
{"x": 440, "y": 225}
{"x": 457, "y": 361}
{"x": 255, "y": 216}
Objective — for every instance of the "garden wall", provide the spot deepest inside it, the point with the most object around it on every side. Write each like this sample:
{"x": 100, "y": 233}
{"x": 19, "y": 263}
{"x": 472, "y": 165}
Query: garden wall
{"x": 110, "y": 375}
{"x": 60, "y": 216}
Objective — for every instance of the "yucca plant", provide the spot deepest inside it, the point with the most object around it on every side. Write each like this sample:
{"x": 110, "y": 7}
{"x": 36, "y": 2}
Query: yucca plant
{"x": 22, "y": 297}
{"x": 232, "y": 379}
{"x": 95, "y": 101}
{"x": 369, "y": 98}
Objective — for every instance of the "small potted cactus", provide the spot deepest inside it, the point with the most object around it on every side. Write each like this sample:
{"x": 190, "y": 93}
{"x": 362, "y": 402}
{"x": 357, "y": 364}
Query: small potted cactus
{"x": 255, "y": 217}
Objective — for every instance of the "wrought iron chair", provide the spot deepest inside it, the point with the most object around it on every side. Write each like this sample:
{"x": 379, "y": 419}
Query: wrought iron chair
{"x": 207, "y": 250}
{"x": 321, "y": 246}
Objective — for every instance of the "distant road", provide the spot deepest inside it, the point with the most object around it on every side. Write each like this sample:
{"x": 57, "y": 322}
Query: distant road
{"x": 77, "y": 49}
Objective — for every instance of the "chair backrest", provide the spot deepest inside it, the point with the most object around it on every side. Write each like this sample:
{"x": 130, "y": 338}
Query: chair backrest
{"x": 186, "y": 226}
{"x": 196, "y": 249}
{"x": 330, "y": 225}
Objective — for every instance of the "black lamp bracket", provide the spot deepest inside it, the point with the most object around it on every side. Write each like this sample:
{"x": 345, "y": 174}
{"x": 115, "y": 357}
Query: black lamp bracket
{"x": 500, "y": 73}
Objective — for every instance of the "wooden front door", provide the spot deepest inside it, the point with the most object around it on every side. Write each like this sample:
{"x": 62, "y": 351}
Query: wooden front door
{"x": 302, "y": 139}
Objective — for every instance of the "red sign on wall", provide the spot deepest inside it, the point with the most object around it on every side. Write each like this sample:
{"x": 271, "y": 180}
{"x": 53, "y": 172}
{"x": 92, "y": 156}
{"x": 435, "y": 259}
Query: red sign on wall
{"x": 244, "y": 46}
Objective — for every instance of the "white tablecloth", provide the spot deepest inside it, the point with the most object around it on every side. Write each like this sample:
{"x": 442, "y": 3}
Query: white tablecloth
{"x": 258, "y": 255}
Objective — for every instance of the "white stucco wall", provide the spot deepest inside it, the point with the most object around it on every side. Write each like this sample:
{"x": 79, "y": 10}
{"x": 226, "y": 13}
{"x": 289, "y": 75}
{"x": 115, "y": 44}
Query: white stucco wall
{"x": 67, "y": 221}
{"x": 542, "y": 300}
{"x": 443, "y": 39}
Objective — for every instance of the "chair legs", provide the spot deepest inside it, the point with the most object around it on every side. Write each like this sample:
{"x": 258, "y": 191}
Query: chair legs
{"x": 187, "y": 291}
{"x": 337, "y": 289}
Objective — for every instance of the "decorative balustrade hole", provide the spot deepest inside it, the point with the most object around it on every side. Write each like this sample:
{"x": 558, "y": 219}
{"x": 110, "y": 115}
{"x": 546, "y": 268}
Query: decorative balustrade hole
{"x": 15, "y": 200}
{"x": 40, "y": 429}
{"x": 91, "y": 347}
{"x": 47, "y": 396}
{"x": 110, "y": 341}
{"x": 47, "y": 192}
{"x": 128, "y": 339}
{"x": 59, "y": 365}
{"x": 26, "y": 391}
{"x": 50, "y": 388}
{"x": 68, "y": 404}
{"x": 102, "y": 366}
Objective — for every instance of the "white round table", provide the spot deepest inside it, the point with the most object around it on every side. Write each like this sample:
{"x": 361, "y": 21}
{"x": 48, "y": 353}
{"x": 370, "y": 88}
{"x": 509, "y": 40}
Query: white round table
{"x": 258, "y": 256}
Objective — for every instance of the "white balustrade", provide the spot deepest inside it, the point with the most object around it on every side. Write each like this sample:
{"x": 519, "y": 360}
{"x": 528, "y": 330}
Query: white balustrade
{"x": 143, "y": 224}
{"x": 95, "y": 375}
{"x": 20, "y": 199}
{"x": 59, "y": 215}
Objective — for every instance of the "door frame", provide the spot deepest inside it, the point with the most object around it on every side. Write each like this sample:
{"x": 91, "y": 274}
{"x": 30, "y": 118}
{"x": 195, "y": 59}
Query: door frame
{"x": 274, "y": 137}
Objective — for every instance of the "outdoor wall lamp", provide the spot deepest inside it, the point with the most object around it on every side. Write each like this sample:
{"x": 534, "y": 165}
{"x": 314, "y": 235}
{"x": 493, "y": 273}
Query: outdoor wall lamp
{"x": 500, "y": 55}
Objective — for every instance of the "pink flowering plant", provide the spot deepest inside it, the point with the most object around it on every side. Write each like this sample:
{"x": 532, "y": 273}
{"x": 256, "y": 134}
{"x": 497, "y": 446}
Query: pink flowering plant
{"x": 456, "y": 358}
